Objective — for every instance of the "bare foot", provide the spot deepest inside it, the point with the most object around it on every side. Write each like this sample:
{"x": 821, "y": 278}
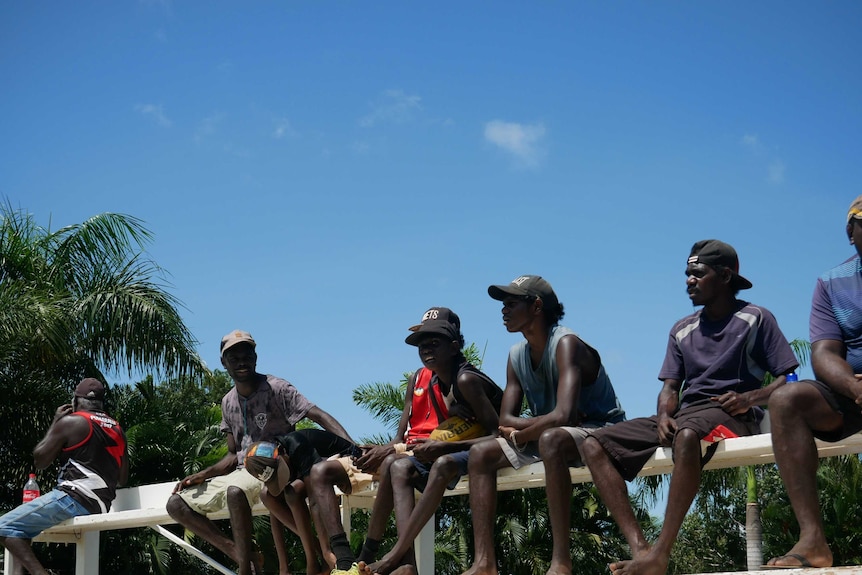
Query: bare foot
{"x": 646, "y": 564}
{"x": 556, "y": 569}
{"x": 477, "y": 570}
{"x": 802, "y": 556}
{"x": 386, "y": 565}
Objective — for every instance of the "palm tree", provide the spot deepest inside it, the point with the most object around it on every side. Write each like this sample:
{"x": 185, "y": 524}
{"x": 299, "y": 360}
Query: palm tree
{"x": 81, "y": 301}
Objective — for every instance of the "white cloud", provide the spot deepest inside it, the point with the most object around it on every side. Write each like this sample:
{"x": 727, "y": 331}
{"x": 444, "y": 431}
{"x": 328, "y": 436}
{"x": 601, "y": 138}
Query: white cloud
{"x": 156, "y": 112}
{"x": 520, "y": 140}
{"x": 393, "y": 106}
{"x": 283, "y": 128}
{"x": 208, "y": 126}
{"x": 776, "y": 172}
{"x": 752, "y": 142}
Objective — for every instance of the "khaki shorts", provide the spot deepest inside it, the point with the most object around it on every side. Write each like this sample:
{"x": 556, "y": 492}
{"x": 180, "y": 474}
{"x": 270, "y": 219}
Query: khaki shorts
{"x": 518, "y": 458}
{"x": 211, "y": 495}
{"x": 359, "y": 480}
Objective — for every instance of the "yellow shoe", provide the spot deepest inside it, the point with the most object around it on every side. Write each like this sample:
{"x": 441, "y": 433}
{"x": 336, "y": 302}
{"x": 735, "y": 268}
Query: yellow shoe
{"x": 354, "y": 570}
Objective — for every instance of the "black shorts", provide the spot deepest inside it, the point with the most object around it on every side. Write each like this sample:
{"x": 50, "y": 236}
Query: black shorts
{"x": 851, "y": 413}
{"x": 631, "y": 443}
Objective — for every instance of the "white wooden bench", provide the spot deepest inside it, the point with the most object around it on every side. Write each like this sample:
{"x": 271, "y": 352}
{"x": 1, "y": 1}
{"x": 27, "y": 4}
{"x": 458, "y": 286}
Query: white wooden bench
{"x": 144, "y": 506}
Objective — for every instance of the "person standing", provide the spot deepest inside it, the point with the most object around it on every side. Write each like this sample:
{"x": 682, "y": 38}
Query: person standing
{"x": 828, "y": 408}
{"x": 258, "y": 408}
{"x": 91, "y": 447}
{"x": 569, "y": 394}
{"x": 712, "y": 378}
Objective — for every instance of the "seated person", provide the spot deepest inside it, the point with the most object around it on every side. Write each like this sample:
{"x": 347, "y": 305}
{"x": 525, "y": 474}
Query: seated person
{"x": 829, "y": 408}
{"x": 284, "y": 465}
{"x": 568, "y": 393}
{"x": 717, "y": 357}
{"x": 447, "y": 384}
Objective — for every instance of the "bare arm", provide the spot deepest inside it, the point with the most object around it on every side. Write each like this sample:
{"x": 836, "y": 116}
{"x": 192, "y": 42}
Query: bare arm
{"x": 828, "y": 358}
{"x": 373, "y": 455}
{"x": 668, "y": 402}
{"x": 223, "y": 466}
{"x": 573, "y": 360}
{"x": 472, "y": 389}
{"x": 66, "y": 430}
{"x": 328, "y": 422}
{"x": 513, "y": 396}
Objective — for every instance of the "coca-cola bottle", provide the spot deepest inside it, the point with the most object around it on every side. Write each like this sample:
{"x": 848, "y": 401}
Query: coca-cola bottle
{"x": 31, "y": 489}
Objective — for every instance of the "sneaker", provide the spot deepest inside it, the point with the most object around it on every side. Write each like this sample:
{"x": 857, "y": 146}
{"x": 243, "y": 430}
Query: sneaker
{"x": 354, "y": 570}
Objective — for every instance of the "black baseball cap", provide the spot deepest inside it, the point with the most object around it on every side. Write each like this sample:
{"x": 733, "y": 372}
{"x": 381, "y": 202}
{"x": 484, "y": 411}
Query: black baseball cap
{"x": 533, "y": 286}
{"x": 438, "y": 320}
{"x": 715, "y": 252}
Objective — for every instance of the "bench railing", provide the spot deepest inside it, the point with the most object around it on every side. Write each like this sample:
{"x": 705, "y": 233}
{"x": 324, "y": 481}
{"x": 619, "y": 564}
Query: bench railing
{"x": 144, "y": 506}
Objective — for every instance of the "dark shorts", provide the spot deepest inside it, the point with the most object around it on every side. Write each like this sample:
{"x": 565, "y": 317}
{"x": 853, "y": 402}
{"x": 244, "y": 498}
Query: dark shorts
{"x": 424, "y": 470}
{"x": 848, "y": 409}
{"x": 631, "y": 443}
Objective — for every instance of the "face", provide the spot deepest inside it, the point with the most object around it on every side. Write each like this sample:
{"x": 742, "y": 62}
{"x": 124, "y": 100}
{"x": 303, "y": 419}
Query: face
{"x": 437, "y": 352}
{"x": 240, "y": 361}
{"x": 704, "y": 283}
{"x": 517, "y": 313}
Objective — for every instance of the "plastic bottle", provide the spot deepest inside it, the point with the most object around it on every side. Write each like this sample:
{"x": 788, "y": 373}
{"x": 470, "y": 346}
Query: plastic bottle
{"x": 31, "y": 489}
{"x": 791, "y": 377}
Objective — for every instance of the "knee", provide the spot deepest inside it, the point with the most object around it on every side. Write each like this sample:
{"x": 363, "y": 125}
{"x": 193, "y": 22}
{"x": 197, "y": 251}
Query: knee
{"x": 445, "y": 467}
{"x": 236, "y": 496}
{"x": 553, "y": 442}
{"x": 482, "y": 456}
{"x": 785, "y": 400}
{"x": 176, "y": 506}
{"x": 590, "y": 449}
{"x": 401, "y": 470}
{"x": 386, "y": 467}
{"x": 686, "y": 443}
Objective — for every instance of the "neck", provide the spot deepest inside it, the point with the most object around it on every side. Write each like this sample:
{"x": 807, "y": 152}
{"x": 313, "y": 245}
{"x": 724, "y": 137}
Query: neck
{"x": 720, "y": 308}
{"x": 249, "y": 386}
{"x": 536, "y": 335}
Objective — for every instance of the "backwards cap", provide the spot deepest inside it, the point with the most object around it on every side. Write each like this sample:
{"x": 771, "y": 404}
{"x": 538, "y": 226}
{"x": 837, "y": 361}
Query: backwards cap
{"x": 718, "y": 253}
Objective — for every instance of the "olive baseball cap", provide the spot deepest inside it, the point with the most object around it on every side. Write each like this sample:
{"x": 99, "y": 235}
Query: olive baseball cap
{"x": 527, "y": 285}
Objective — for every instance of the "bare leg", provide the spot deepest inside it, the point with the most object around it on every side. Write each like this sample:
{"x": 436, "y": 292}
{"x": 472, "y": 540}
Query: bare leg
{"x": 277, "y": 530}
{"x": 200, "y": 525}
{"x": 613, "y": 491}
{"x": 442, "y": 472}
{"x": 289, "y": 509}
{"x": 684, "y": 484}
{"x": 559, "y": 450}
{"x": 22, "y": 551}
{"x": 240, "y": 524}
{"x": 485, "y": 459}
{"x": 794, "y": 410}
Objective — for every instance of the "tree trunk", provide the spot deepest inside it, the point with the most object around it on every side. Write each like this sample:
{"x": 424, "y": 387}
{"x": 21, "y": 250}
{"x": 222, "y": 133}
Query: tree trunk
{"x": 753, "y": 536}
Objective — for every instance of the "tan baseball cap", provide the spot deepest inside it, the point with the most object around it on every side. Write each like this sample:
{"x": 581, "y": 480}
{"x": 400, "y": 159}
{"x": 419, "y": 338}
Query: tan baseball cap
{"x": 235, "y": 337}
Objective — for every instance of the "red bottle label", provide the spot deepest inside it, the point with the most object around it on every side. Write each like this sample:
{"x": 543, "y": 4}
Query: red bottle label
{"x": 30, "y": 495}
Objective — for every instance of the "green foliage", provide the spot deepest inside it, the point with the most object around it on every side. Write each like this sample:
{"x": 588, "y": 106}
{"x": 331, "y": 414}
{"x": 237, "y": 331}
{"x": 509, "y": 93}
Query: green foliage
{"x": 75, "y": 303}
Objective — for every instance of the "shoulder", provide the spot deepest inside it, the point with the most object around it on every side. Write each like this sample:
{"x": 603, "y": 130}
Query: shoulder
{"x": 847, "y": 268}
{"x": 753, "y": 313}
{"x": 276, "y": 382}
{"x": 685, "y": 323}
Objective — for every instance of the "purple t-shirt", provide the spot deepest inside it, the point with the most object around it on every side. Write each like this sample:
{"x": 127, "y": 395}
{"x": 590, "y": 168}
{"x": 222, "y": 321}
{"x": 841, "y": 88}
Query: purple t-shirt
{"x": 272, "y": 410}
{"x": 836, "y": 309}
{"x": 733, "y": 354}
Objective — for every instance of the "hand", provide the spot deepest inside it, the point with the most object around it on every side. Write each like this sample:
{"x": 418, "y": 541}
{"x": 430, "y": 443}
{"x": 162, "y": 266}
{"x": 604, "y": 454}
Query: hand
{"x": 372, "y": 456}
{"x": 427, "y": 450}
{"x": 858, "y": 389}
{"x": 506, "y": 431}
{"x": 62, "y": 412}
{"x": 195, "y": 479}
{"x": 666, "y": 430}
{"x": 733, "y": 403}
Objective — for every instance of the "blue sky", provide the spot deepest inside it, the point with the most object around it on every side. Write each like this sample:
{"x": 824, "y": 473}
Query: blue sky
{"x": 320, "y": 173}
